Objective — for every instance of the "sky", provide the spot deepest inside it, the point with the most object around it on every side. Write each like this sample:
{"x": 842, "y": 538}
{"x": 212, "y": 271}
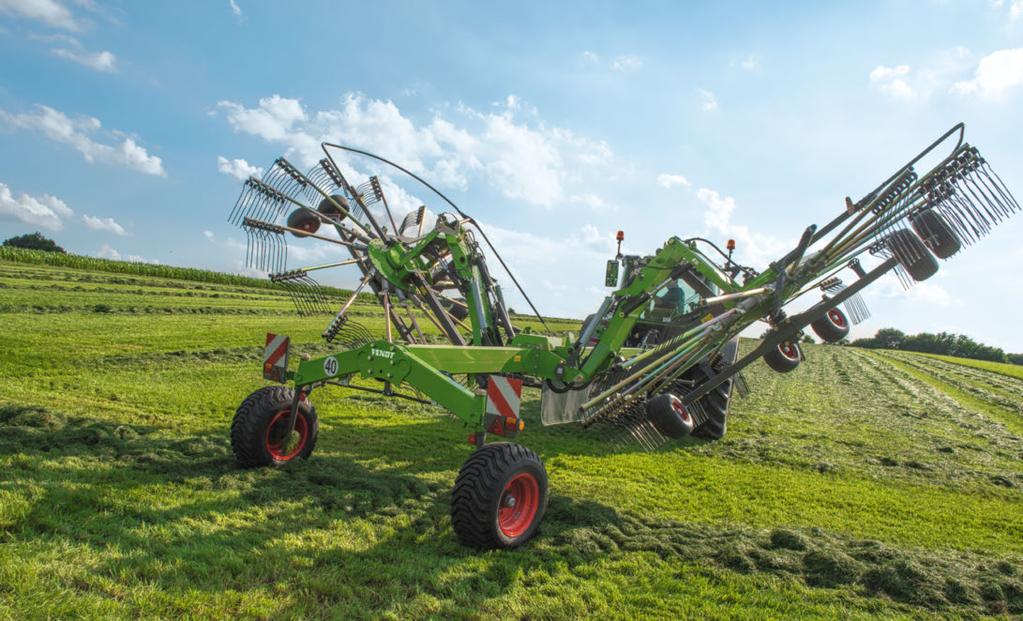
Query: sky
{"x": 127, "y": 128}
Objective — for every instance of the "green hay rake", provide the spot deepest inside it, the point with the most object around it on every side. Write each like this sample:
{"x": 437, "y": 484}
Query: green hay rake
{"x": 658, "y": 360}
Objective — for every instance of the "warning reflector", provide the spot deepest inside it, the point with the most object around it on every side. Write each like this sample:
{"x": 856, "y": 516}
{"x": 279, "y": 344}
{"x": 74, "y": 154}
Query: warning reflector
{"x": 504, "y": 396}
{"x": 275, "y": 357}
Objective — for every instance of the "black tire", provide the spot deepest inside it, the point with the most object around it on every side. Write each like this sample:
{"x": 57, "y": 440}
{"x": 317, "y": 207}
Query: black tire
{"x": 936, "y": 233}
{"x": 717, "y": 403}
{"x": 261, "y": 421}
{"x": 328, "y": 208}
{"x": 669, "y": 416}
{"x": 784, "y": 357}
{"x": 832, "y": 327}
{"x": 480, "y": 511}
{"x": 911, "y": 252}
{"x": 303, "y": 220}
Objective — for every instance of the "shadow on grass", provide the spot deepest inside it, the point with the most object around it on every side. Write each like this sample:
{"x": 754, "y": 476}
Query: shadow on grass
{"x": 361, "y": 529}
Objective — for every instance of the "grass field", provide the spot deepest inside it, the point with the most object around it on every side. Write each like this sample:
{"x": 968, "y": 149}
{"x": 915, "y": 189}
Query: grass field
{"x": 863, "y": 484}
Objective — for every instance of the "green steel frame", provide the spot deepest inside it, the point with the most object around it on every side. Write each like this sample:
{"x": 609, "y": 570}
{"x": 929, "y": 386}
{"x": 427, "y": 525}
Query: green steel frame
{"x": 725, "y": 307}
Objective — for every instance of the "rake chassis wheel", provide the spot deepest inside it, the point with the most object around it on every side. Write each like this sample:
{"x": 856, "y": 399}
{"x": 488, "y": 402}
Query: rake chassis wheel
{"x": 784, "y": 357}
{"x": 500, "y": 496}
{"x": 669, "y": 416}
{"x": 260, "y": 429}
{"x": 832, "y": 327}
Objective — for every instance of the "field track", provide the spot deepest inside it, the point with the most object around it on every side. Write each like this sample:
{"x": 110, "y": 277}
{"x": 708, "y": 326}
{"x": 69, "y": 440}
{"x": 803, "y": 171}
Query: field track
{"x": 864, "y": 484}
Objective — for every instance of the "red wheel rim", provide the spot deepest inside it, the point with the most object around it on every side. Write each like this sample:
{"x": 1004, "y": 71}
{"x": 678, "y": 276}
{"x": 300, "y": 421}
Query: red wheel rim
{"x": 680, "y": 409}
{"x": 520, "y": 501}
{"x": 276, "y": 443}
{"x": 836, "y": 317}
{"x": 788, "y": 350}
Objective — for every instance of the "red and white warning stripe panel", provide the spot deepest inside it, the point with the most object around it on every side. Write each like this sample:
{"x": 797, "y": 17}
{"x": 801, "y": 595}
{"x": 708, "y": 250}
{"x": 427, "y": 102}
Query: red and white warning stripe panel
{"x": 275, "y": 357}
{"x": 504, "y": 396}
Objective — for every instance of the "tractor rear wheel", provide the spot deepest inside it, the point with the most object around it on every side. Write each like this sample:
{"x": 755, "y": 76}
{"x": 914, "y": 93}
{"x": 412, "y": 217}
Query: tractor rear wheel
{"x": 259, "y": 431}
{"x": 669, "y": 416}
{"x": 784, "y": 357}
{"x": 832, "y": 327}
{"x": 500, "y": 496}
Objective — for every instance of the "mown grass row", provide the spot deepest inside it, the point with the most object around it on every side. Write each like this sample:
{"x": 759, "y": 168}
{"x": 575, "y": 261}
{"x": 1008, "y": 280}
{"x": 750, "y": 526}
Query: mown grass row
{"x": 82, "y": 262}
{"x": 1002, "y": 368}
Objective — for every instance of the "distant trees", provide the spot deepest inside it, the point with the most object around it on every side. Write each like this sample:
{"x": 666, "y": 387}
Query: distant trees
{"x": 34, "y": 241}
{"x": 944, "y": 343}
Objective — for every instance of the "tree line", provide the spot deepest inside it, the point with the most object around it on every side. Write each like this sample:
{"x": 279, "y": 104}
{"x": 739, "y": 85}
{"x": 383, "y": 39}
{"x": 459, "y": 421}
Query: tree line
{"x": 944, "y": 343}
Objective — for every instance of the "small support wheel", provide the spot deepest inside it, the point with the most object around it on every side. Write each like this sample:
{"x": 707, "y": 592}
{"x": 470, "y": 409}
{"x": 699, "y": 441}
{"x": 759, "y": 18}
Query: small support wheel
{"x": 784, "y": 357}
{"x": 259, "y": 431}
{"x": 936, "y": 233}
{"x": 832, "y": 327}
{"x": 669, "y": 416}
{"x": 500, "y": 496}
{"x": 912, "y": 254}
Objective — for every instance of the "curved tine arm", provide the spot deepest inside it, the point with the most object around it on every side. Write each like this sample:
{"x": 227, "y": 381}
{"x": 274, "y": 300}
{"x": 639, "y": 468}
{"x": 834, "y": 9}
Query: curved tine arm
{"x": 324, "y": 145}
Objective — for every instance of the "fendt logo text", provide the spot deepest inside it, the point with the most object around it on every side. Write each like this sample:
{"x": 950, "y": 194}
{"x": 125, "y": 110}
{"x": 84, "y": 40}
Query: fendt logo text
{"x": 383, "y": 354}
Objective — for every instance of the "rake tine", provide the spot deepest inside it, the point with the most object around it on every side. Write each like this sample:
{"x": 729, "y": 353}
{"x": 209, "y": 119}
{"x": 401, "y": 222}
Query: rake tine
{"x": 969, "y": 214}
{"x": 954, "y": 221}
{"x": 992, "y": 207}
{"x": 273, "y": 256}
{"x": 988, "y": 172}
{"x": 248, "y": 201}
{"x": 239, "y": 208}
{"x": 975, "y": 184}
{"x": 383, "y": 199}
{"x": 1006, "y": 203}
{"x": 282, "y": 178}
{"x": 248, "y": 248}
{"x": 335, "y": 175}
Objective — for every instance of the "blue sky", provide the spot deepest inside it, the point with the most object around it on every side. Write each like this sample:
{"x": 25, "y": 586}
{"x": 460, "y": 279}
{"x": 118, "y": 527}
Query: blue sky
{"x": 125, "y": 126}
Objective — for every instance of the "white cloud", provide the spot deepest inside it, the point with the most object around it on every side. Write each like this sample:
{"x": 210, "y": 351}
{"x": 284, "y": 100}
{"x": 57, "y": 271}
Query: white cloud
{"x": 272, "y": 120}
{"x": 669, "y": 181}
{"x": 45, "y": 211}
{"x": 77, "y": 133}
{"x": 627, "y": 62}
{"x": 108, "y": 252}
{"x": 49, "y": 12}
{"x": 208, "y": 234}
{"x": 749, "y": 63}
{"x": 588, "y": 199}
{"x": 99, "y": 61}
{"x": 521, "y": 157}
{"x": 925, "y": 294}
{"x": 1015, "y": 8}
{"x": 893, "y": 81}
{"x": 756, "y": 249}
{"x": 237, "y": 10}
{"x": 103, "y": 224}
{"x": 530, "y": 256}
{"x": 238, "y": 168}
{"x": 622, "y": 62}
{"x": 904, "y": 83}
{"x": 995, "y": 75}
{"x": 708, "y": 102}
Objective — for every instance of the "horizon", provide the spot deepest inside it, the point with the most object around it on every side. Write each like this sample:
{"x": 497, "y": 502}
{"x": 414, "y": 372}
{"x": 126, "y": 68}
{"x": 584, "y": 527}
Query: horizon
{"x": 126, "y": 130}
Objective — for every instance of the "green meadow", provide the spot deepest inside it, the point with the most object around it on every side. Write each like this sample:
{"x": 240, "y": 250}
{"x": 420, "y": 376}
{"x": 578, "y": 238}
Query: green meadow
{"x": 864, "y": 484}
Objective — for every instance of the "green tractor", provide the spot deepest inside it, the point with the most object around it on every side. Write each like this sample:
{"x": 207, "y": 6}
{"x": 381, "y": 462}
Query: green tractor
{"x": 658, "y": 360}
